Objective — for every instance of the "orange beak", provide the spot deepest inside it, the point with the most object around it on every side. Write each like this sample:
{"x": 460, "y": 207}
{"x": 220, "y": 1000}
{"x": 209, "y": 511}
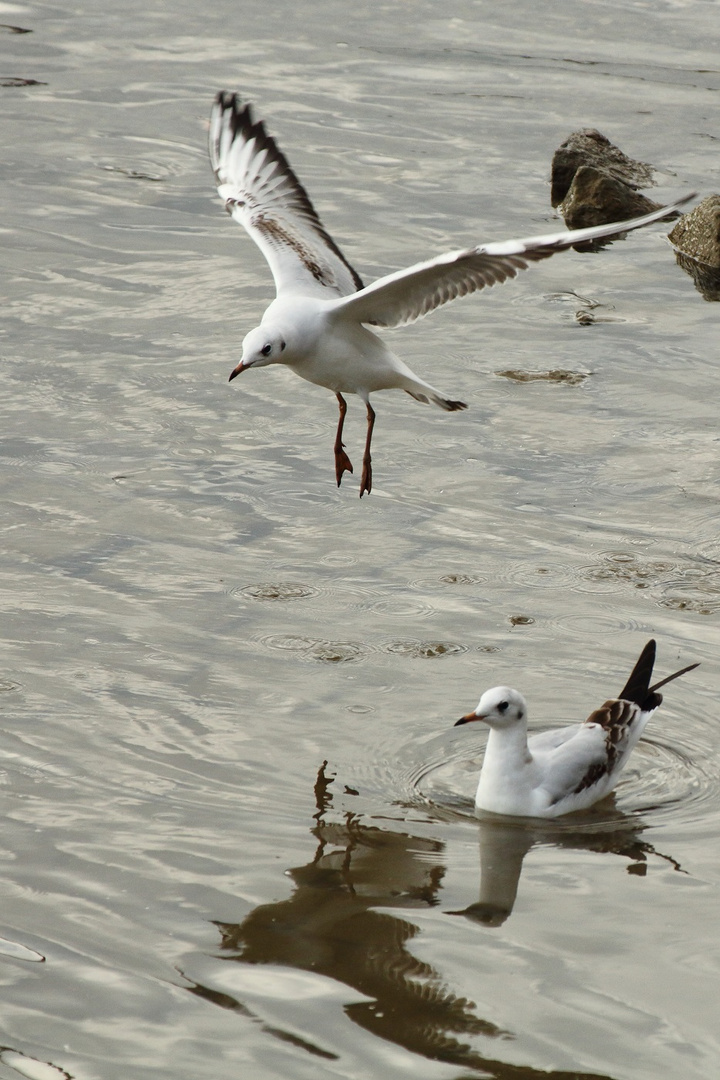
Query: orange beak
{"x": 236, "y": 371}
{"x": 468, "y": 719}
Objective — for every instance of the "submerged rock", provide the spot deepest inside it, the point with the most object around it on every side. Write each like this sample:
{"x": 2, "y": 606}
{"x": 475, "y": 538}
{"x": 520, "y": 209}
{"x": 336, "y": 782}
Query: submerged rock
{"x": 591, "y": 147}
{"x": 559, "y": 375}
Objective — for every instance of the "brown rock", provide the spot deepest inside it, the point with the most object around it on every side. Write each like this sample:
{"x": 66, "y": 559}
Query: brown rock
{"x": 595, "y": 198}
{"x": 590, "y": 147}
{"x": 696, "y": 239}
{"x": 698, "y": 233}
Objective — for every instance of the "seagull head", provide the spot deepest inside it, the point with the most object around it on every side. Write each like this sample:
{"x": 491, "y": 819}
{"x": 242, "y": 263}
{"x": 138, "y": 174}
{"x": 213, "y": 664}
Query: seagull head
{"x": 262, "y": 346}
{"x": 500, "y": 707}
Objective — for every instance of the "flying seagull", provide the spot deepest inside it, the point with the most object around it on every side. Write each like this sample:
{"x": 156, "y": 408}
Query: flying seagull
{"x": 318, "y": 323}
{"x": 569, "y": 768}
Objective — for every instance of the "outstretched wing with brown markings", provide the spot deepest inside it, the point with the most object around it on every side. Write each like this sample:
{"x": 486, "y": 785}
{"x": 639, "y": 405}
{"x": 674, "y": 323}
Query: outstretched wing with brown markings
{"x": 261, "y": 191}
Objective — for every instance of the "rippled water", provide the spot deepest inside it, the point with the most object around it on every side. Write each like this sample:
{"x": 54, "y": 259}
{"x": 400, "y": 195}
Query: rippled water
{"x": 237, "y": 825}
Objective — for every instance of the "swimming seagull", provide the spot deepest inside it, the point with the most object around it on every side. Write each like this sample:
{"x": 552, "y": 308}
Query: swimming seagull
{"x": 569, "y": 768}
{"x": 318, "y": 323}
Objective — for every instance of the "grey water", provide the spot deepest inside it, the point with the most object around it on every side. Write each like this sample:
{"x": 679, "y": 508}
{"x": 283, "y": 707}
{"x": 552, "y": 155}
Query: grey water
{"x": 236, "y": 825}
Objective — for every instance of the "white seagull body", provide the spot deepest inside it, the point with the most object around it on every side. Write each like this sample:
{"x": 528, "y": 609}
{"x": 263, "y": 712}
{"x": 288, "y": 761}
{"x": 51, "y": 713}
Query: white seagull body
{"x": 318, "y": 323}
{"x": 569, "y": 768}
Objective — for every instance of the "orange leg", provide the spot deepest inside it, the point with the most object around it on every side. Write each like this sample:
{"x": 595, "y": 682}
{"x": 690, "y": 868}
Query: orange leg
{"x": 342, "y": 461}
{"x": 366, "y": 482}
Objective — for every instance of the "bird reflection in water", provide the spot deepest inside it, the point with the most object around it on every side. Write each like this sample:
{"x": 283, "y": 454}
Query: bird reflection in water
{"x": 330, "y": 926}
{"x": 505, "y": 843}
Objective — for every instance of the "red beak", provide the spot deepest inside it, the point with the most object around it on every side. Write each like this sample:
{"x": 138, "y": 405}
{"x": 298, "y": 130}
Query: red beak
{"x": 236, "y": 371}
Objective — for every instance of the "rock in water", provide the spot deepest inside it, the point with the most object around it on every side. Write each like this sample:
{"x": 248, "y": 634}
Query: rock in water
{"x": 696, "y": 239}
{"x": 591, "y": 147}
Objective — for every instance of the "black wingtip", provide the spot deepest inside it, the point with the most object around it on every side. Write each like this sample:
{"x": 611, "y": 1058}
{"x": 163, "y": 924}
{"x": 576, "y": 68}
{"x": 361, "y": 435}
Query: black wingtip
{"x": 637, "y": 688}
{"x": 670, "y": 678}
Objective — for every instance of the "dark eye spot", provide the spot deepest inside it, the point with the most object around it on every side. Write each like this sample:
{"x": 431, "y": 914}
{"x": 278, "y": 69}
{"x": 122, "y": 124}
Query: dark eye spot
{"x": 503, "y": 706}
{"x": 266, "y": 349}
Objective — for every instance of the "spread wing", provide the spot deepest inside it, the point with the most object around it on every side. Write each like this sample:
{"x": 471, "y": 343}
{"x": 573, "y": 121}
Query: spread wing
{"x": 409, "y": 294}
{"x": 261, "y": 191}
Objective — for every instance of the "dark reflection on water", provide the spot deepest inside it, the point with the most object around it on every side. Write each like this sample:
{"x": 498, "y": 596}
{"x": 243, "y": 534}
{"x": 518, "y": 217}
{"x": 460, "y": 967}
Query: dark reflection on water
{"x": 706, "y": 278}
{"x": 330, "y": 926}
{"x": 504, "y": 845}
